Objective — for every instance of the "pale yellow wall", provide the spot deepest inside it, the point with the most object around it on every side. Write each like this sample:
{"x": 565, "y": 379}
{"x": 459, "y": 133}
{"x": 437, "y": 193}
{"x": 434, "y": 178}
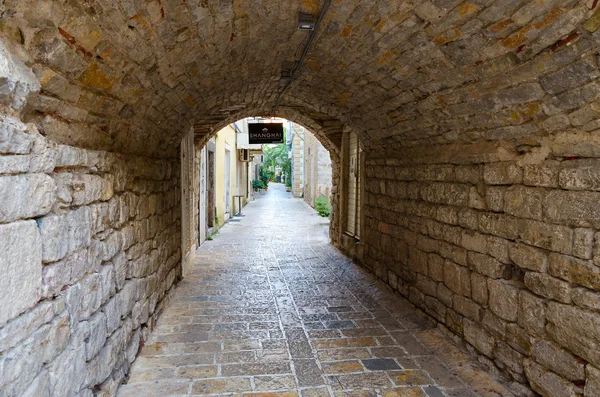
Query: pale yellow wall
{"x": 226, "y": 136}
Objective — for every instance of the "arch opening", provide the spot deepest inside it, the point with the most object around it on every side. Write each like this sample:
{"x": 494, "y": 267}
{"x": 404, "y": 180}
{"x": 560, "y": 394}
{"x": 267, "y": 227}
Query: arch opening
{"x": 199, "y": 161}
{"x": 479, "y": 122}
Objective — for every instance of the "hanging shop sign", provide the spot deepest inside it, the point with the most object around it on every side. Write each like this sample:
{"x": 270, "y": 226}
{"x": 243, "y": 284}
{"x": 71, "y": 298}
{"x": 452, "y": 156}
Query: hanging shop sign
{"x": 265, "y": 133}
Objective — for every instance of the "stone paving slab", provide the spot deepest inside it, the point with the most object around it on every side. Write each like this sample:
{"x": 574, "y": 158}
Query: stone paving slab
{"x": 270, "y": 309}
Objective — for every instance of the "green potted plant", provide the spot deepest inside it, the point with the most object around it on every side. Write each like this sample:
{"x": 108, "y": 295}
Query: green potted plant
{"x": 323, "y": 207}
{"x": 257, "y": 185}
{"x": 265, "y": 182}
{"x": 288, "y": 185}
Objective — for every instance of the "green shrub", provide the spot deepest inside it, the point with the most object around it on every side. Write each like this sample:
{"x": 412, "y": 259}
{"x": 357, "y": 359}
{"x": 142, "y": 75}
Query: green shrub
{"x": 257, "y": 184}
{"x": 323, "y": 207}
{"x": 288, "y": 183}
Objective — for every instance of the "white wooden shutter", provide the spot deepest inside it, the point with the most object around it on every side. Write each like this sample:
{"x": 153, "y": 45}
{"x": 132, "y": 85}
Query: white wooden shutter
{"x": 352, "y": 197}
{"x": 358, "y": 188}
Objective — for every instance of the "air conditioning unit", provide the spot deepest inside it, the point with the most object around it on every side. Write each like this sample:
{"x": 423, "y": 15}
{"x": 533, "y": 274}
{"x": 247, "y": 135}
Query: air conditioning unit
{"x": 244, "y": 155}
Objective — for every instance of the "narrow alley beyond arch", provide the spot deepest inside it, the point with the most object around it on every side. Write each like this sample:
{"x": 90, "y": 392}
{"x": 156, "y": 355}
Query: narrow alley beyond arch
{"x": 269, "y": 308}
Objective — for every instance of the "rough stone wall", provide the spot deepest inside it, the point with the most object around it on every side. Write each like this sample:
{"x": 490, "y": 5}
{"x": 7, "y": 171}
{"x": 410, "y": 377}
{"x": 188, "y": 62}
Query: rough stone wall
{"x": 500, "y": 247}
{"x": 90, "y": 247}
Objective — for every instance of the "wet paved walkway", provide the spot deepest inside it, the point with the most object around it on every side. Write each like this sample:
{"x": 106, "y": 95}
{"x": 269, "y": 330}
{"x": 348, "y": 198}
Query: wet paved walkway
{"x": 270, "y": 309}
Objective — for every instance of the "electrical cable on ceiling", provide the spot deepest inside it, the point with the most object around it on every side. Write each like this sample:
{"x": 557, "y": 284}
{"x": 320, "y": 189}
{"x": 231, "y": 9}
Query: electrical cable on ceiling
{"x": 298, "y": 65}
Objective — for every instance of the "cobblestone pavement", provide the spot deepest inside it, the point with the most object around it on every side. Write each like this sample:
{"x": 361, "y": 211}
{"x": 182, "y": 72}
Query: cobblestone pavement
{"x": 271, "y": 309}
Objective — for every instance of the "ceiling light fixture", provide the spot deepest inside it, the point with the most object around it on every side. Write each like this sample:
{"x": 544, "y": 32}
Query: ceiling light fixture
{"x": 303, "y": 24}
{"x": 306, "y": 21}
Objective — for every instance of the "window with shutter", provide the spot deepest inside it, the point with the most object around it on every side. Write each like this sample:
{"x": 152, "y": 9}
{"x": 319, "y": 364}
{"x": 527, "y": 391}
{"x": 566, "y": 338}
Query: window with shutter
{"x": 353, "y": 186}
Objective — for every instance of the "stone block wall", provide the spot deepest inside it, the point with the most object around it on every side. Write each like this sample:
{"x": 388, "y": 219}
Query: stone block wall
{"x": 500, "y": 247}
{"x": 90, "y": 248}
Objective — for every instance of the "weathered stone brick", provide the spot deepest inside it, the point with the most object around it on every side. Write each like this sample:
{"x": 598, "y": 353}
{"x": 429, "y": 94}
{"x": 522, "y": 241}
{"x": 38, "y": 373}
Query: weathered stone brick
{"x": 447, "y": 215}
{"x": 502, "y": 174}
{"x": 499, "y": 225}
{"x": 487, "y": 265}
{"x": 558, "y": 360}
{"x": 479, "y": 288}
{"x": 524, "y": 202}
{"x": 574, "y": 270}
{"x": 83, "y": 189}
{"x": 68, "y": 371}
{"x": 446, "y": 193}
{"x": 585, "y": 298}
{"x": 503, "y": 299}
{"x": 426, "y": 285}
{"x": 435, "y": 266}
{"x": 580, "y": 176}
{"x": 21, "y": 281}
{"x": 573, "y": 75}
{"x": 552, "y": 237}
{"x": 14, "y": 164}
{"x": 444, "y": 294}
{"x": 573, "y": 208}
{"x": 79, "y": 229}
{"x": 65, "y": 272}
{"x": 438, "y": 172}
{"x": 565, "y": 321}
{"x": 16, "y": 331}
{"x": 417, "y": 260}
{"x": 585, "y": 114}
{"x": 467, "y": 308}
{"x": 494, "y": 324}
{"x": 592, "y": 384}
{"x": 546, "y": 382}
{"x": 473, "y": 241}
{"x": 97, "y": 335}
{"x": 429, "y": 12}
{"x": 498, "y": 248}
{"x": 26, "y": 196}
{"x": 583, "y": 243}
{"x": 478, "y": 337}
{"x": 548, "y": 286}
{"x": 457, "y": 278}
{"x": 494, "y": 198}
{"x": 468, "y": 218}
{"x": 518, "y": 338}
{"x": 15, "y": 137}
{"x": 528, "y": 257}
{"x": 532, "y": 312}
{"x": 509, "y": 359}
{"x": 521, "y": 94}
{"x": 435, "y": 308}
{"x": 454, "y": 321}
{"x": 542, "y": 175}
{"x": 54, "y": 232}
{"x": 393, "y": 279}
{"x": 468, "y": 174}
{"x": 476, "y": 199}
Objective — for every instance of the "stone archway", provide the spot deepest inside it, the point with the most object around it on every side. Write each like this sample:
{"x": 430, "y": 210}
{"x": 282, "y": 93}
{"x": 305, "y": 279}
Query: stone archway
{"x": 326, "y": 129}
{"x": 480, "y": 126}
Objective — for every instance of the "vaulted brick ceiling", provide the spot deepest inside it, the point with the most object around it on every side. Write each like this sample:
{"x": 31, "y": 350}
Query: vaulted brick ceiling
{"x": 134, "y": 75}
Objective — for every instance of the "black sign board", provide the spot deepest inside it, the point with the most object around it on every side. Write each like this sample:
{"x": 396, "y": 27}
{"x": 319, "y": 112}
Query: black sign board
{"x": 265, "y": 133}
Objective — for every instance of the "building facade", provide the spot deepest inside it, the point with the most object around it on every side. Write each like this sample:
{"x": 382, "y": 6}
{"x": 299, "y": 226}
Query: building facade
{"x": 295, "y": 139}
{"x": 317, "y": 170}
{"x": 225, "y": 173}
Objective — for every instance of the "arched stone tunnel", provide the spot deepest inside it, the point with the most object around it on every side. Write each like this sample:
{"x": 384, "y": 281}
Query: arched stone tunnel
{"x": 480, "y": 124}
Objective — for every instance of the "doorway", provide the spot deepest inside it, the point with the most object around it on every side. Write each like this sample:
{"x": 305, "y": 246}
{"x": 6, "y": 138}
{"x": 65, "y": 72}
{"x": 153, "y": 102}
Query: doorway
{"x": 227, "y": 167}
{"x": 210, "y": 194}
